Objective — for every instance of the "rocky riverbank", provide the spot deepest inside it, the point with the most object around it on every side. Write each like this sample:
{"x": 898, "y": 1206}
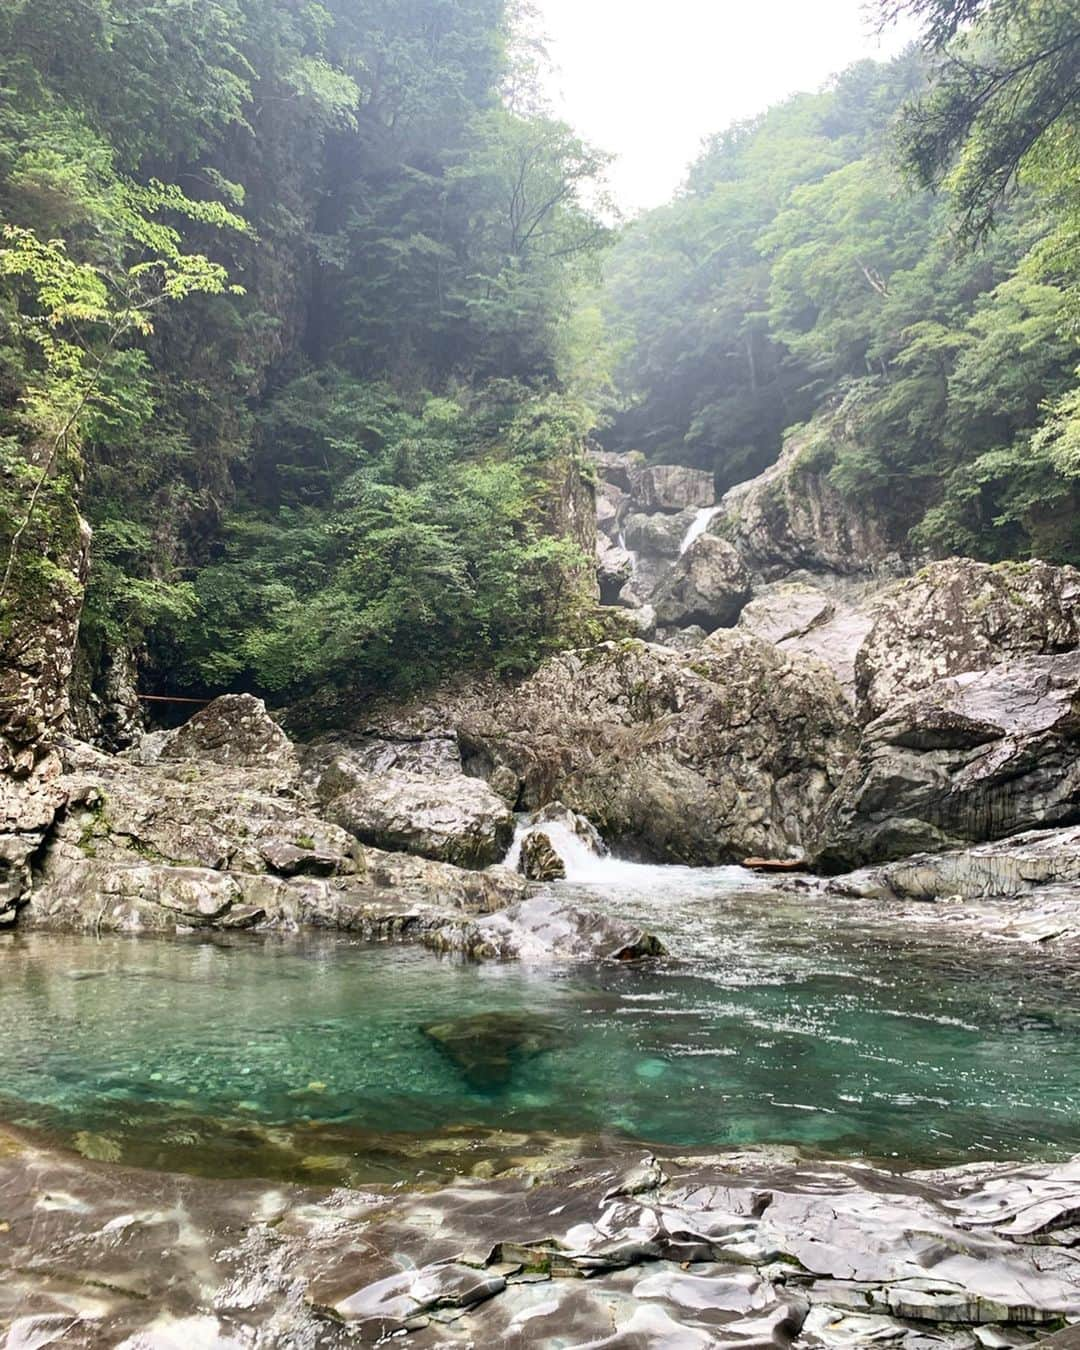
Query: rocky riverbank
{"x": 744, "y": 1250}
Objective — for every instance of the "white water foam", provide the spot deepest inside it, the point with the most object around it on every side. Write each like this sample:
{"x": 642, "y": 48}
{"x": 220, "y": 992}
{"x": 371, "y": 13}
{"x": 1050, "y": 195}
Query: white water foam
{"x": 698, "y": 526}
{"x": 586, "y": 867}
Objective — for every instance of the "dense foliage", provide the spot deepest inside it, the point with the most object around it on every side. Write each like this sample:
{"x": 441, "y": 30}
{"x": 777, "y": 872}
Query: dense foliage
{"x": 925, "y": 329}
{"x": 285, "y": 287}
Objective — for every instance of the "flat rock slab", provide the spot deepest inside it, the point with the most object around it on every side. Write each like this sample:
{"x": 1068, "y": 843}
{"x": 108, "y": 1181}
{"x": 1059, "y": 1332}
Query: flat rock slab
{"x": 750, "y": 1250}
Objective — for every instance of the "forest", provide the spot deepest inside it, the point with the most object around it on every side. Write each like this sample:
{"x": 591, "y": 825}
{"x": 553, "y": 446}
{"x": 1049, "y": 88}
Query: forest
{"x": 310, "y": 307}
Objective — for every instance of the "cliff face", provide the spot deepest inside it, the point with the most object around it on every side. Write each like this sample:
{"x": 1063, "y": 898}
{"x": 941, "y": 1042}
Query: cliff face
{"x": 39, "y": 625}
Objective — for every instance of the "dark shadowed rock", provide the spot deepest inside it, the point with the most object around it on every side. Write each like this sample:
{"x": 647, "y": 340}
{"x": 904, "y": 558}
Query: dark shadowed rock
{"x": 539, "y": 861}
{"x": 707, "y": 586}
{"x": 959, "y": 615}
{"x": 457, "y": 820}
{"x": 658, "y": 535}
{"x": 973, "y": 757}
{"x": 542, "y": 929}
{"x": 486, "y": 1047}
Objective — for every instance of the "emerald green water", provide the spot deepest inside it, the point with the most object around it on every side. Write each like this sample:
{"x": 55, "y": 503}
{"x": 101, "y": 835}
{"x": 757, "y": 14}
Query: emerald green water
{"x": 781, "y": 1021}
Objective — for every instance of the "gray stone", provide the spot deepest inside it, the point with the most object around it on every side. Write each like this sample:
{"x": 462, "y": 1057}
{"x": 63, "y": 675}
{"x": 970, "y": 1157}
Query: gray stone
{"x": 615, "y": 467}
{"x": 487, "y": 1046}
{"x": 543, "y": 929}
{"x": 723, "y": 753}
{"x": 802, "y": 617}
{"x": 972, "y": 757}
{"x": 791, "y": 516}
{"x": 235, "y": 731}
{"x": 458, "y": 820}
{"x": 671, "y": 487}
{"x": 657, "y": 536}
{"x": 957, "y": 616}
{"x": 750, "y": 1249}
{"x": 336, "y": 764}
{"x": 708, "y": 586}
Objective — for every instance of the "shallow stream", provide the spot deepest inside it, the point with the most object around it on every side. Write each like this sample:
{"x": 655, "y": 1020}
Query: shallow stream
{"x": 828, "y": 1025}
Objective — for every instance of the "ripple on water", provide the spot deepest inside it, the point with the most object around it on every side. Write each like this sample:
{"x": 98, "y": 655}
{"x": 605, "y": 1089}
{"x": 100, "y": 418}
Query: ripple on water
{"x": 781, "y": 1020}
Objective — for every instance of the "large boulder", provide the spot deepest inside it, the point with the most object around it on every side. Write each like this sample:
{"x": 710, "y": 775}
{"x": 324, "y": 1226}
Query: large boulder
{"x": 616, "y": 467}
{"x": 959, "y": 615}
{"x": 659, "y": 536}
{"x": 458, "y": 820}
{"x": 973, "y": 757}
{"x": 708, "y": 586}
{"x": 792, "y": 516}
{"x": 335, "y": 764}
{"x": 612, "y": 503}
{"x": 671, "y": 487}
{"x": 800, "y": 616}
{"x": 706, "y": 757}
{"x": 235, "y": 731}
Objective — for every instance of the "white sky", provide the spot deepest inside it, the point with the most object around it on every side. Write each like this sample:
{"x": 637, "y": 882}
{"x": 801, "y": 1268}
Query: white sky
{"x": 649, "y": 79}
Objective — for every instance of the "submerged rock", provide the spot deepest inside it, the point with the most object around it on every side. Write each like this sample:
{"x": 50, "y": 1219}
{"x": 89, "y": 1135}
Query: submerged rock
{"x": 543, "y": 929}
{"x": 458, "y": 820}
{"x": 487, "y": 1046}
{"x": 959, "y": 615}
{"x": 972, "y": 757}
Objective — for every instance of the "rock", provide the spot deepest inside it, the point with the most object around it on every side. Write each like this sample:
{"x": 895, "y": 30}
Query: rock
{"x": 539, "y": 860}
{"x": 542, "y": 929}
{"x": 641, "y": 622}
{"x": 707, "y": 586}
{"x": 959, "y": 615}
{"x": 614, "y": 567}
{"x": 615, "y": 468}
{"x": 687, "y": 639}
{"x": 791, "y": 516}
{"x": 750, "y": 1249}
{"x": 458, "y": 820}
{"x": 236, "y": 731}
{"x": 671, "y": 487}
{"x": 486, "y": 1046}
{"x": 972, "y": 757}
{"x": 801, "y": 617}
{"x": 336, "y": 764}
{"x": 713, "y": 756}
{"x": 657, "y": 536}
{"x": 1016, "y": 866}
{"x": 105, "y": 706}
{"x": 612, "y": 503}
{"x": 38, "y": 636}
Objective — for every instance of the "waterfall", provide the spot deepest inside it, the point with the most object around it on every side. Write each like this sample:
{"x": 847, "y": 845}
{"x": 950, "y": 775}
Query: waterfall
{"x": 698, "y": 527}
{"x": 586, "y": 866}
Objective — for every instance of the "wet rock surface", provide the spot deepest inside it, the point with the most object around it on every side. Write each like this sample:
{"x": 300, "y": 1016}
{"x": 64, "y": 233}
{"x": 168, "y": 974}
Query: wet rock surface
{"x": 487, "y": 1046}
{"x": 726, "y": 1251}
{"x": 542, "y": 929}
{"x": 539, "y": 858}
{"x": 971, "y": 758}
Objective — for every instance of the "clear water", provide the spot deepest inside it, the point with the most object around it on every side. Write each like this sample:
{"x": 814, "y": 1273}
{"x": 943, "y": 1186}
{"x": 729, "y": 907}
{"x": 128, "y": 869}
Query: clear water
{"x": 830, "y": 1026}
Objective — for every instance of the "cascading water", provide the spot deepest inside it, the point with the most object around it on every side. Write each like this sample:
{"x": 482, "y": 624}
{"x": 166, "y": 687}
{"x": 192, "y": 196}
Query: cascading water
{"x": 590, "y": 865}
{"x": 698, "y": 526}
